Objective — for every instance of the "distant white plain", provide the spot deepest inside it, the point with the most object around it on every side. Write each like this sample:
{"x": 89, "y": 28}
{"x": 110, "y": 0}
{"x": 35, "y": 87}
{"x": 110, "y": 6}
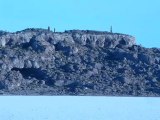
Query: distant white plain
{"x": 79, "y": 108}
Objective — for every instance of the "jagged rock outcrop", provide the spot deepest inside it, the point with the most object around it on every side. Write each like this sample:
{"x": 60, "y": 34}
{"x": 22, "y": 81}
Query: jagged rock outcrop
{"x": 77, "y": 62}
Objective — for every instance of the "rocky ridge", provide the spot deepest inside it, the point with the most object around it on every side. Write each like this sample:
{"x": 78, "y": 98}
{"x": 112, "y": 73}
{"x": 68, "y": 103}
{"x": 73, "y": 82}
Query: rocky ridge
{"x": 77, "y": 62}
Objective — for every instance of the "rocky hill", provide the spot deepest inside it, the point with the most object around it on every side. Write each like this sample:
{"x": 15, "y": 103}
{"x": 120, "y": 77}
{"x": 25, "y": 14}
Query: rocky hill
{"x": 77, "y": 62}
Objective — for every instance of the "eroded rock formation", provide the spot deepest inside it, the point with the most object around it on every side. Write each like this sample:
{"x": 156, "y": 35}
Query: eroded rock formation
{"x": 77, "y": 62}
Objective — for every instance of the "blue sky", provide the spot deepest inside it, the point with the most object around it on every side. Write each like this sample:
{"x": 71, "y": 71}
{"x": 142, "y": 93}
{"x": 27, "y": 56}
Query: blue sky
{"x": 139, "y": 18}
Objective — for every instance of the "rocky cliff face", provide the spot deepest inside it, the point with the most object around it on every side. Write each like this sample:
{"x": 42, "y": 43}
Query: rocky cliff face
{"x": 75, "y": 62}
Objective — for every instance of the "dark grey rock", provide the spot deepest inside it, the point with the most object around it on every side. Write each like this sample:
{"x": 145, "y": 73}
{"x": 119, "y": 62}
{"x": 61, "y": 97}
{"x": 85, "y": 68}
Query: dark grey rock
{"x": 77, "y": 62}
{"x": 146, "y": 58}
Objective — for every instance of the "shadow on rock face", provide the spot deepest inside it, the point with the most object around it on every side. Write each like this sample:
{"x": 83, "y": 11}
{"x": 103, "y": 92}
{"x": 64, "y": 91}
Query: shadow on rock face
{"x": 30, "y": 73}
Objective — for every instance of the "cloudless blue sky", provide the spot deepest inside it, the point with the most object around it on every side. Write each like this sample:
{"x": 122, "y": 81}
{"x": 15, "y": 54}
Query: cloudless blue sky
{"x": 139, "y": 18}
